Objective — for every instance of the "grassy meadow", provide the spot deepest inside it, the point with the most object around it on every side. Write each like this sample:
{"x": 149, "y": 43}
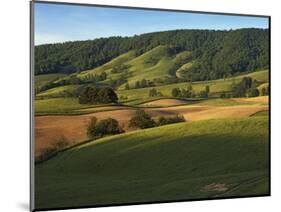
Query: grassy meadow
{"x": 214, "y": 158}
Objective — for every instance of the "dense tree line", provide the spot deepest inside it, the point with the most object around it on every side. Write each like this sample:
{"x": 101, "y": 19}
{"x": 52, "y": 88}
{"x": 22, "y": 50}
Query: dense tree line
{"x": 217, "y": 53}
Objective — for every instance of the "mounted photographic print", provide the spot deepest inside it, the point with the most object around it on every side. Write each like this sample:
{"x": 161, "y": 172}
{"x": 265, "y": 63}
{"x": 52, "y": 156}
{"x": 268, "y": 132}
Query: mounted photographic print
{"x": 137, "y": 105}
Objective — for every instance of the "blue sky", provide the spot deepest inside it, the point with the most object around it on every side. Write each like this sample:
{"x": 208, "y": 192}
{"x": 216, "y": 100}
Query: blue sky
{"x": 59, "y": 23}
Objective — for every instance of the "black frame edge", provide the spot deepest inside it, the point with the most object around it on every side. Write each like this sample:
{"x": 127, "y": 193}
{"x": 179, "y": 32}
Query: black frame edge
{"x": 31, "y": 97}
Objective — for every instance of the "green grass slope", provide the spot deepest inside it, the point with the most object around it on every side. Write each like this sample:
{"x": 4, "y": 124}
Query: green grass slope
{"x": 41, "y": 80}
{"x": 107, "y": 67}
{"x": 60, "y": 91}
{"x": 154, "y": 63}
{"x": 205, "y": 159}
{"x": 58, "y": 106}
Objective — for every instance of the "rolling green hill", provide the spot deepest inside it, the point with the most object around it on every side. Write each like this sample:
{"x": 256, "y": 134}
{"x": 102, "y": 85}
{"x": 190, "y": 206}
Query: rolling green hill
{"x": 216, "y": 86}
{"x": 204, "y": 159}
{"x": 107, "y": 67}
{"x": 153, "y": 64}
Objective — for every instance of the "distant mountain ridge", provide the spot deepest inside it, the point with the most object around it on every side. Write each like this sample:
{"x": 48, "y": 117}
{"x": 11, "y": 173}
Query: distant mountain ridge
{"x": 214, "y": 53}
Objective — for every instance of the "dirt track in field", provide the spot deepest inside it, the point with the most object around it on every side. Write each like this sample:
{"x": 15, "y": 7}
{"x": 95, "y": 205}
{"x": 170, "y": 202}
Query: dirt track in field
{"x": 73, "y": 128}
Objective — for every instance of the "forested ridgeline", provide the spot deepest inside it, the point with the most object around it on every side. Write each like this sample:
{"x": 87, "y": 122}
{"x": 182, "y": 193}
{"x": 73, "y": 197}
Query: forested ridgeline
{"x": 215, "y": 53}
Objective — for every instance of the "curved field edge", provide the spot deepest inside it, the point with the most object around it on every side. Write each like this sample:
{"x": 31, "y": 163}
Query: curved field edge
{"x": 203, "y": 159}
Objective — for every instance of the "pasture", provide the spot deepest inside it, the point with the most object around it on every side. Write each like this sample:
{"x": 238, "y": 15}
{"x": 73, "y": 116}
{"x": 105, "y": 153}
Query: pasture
{"x": 214, "y": 158}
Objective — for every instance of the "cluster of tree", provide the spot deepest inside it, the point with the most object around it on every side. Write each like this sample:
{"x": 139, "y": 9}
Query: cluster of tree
{"x": 144, "y": 83}
{"x": 143, "y": 120}
{"x": 154, "y": 93}
{"x": 168, "y": 80}
{"x": 170, "y": 120}
{"x": 96, "y": 95}
{"x": 246, "y": 88}
{"x": 216, "y": 52}
{"x": 103, "y": 127}
{"x": 189, "y": 93}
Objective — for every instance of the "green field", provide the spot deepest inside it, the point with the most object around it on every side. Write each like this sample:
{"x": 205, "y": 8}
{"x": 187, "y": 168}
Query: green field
{"x": 204, "y": 159}
{"x": 57, "y": 106}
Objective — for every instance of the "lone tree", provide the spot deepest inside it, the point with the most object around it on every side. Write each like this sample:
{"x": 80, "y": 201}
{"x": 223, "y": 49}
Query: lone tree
{"x": 137, "y": 84}
{"x": 207, "y": 88}
{"x": 141, "y": 120}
